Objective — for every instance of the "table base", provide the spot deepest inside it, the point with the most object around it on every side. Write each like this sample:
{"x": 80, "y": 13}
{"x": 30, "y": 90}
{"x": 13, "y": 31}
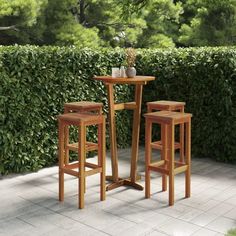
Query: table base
{"x": 122, "y": 182}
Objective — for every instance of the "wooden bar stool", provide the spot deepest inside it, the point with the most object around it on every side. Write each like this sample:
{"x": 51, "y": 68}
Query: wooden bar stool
{"x": 164, "y": 105}
{"x": 168, "y": 165}
{"x": 77, "y": 169}
{"x": 83, "y": 106}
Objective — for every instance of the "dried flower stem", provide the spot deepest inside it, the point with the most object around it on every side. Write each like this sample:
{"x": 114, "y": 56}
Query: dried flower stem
{"x": 130, "y": 56}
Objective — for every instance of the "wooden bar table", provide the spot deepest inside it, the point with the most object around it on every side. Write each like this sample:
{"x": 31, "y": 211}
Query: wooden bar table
{"x": 138, "y": 82}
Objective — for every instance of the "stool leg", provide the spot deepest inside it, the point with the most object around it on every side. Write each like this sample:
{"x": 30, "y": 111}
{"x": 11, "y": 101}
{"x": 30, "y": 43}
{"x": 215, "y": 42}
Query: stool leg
{"x": 81, "y": 157}
{"x": 101, "y": 158}
{"x": 66, "y": 145}
{"x": 171, "y": 142}
{"x": 164, "y": 154}
{"x": 149, "y": 109}
{"x": 148, "y": 137}
{"x": 182, "y": 139}
{"x": 188, "y": 160}
{"x": 100, "y": 111}
{"x": 61, "y": 140}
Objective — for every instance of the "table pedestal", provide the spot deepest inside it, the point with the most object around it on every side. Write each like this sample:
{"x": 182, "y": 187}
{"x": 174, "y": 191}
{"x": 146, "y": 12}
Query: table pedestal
{"x": 138, "y": 82}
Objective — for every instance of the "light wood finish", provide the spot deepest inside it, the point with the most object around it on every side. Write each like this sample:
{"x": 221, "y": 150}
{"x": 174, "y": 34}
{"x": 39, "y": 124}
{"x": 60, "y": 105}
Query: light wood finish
{"x": 188, "y": 160}
{"x": 101, "y": 157}
{"x": 167, "y": 165}
{"x": 135, "y": 132}
{"x": 113, "y": 141}
{"x": 138, "y": 82}
{"x": 83, "y": 106}
{"x": 163, "y": 105}
{"x": 82, "y": 156}
{"x": 148, "y": 134}
{"x": 164, "y": 153}
{"x": 171, "y": 166}
{"x": 61, "y": 140}
{"x": 78, "y": 169}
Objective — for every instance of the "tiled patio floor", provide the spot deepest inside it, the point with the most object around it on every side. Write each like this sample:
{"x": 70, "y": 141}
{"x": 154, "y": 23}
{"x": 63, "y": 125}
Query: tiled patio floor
{"x": 29, "y": 205}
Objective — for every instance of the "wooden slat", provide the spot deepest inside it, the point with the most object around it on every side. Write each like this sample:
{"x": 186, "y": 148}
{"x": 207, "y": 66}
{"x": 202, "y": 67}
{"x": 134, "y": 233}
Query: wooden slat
{"x": 161, "y": 170}
{"x": 91, "y": 165}
{"x": 76, "y": 165}
{"x": 119, "y": 106}
{"x": 180, "y": 169}
{"x": 130, "y": 105}
{"x": 158, "y": 145}
{"x": 127, "y": 105}
{"x": 157, "y": 163}
{"x": 72, "y": 166}
{"x": 179, "y": 163}
{"x": 89, "y": 146}
{"x": 71, "y": 172}
{"x": 94, "y": 171}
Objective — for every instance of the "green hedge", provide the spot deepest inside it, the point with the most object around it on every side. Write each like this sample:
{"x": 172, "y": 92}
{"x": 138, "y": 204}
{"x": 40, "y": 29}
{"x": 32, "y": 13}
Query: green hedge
{"x": 36, "y": 81}
{"x": 205, "y": 78}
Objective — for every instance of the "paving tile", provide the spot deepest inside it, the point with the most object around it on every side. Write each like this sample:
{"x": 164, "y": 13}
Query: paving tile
{"x": 176, "y": 211}
{"x": 129, "y": 195}
{"x": 118, "y": 227}
{"x": 228, "y": 193}
{"x": 231, "y": 200}
{"x": 204, "y": 232}
{"x": 157, "y": 220}
{"x": 102, "y": 205}
{"x": 221, "y": 209}
{"x": 37, "y": 194}
{"x": 191, "y": 214}
{"x": 100, "y": 220}
{"x": 151, "y": 203}
{"x": 231, "y": 214}
{"x": 14, "y": 226}
{"x": 45, "y": 218}
{"x": 79, "y": 229}
{"x": 75, "y": 213}
{"x": 35, "y": 231}
{"x": 205, "y": 206}
{"x": 139, "y": 230}
{"x": 221, "y": 224}
{"x": 178, "y": 227}
{"x": 17, "y": 208}
{"x": 203, "y": 219}
{"x": 30, "y": 203}
{"x": 156, "y": 233}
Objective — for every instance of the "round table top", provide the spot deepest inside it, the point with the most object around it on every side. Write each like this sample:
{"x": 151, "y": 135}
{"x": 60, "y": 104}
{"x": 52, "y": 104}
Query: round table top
{"x": 139, "y": 79}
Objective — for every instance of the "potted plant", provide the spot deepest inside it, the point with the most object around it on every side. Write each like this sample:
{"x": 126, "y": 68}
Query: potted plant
{"x": 130, "y": 54}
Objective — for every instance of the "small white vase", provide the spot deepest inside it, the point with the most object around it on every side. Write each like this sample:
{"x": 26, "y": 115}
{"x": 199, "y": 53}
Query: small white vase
{"x": 131, "y": 72}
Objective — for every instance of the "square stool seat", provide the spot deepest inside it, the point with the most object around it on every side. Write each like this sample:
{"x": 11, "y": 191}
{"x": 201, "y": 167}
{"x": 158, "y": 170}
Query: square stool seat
{"x": 83, "y": 106}
{"x": 165, "y": 105}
